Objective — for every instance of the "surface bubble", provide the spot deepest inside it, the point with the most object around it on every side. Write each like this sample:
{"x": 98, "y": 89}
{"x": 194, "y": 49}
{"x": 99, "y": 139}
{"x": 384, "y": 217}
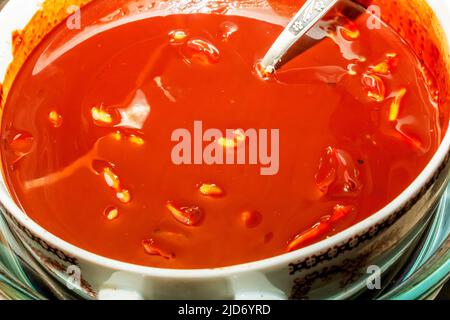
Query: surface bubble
{"x": 202, "y": 52}
{"x": 21, "y": 143}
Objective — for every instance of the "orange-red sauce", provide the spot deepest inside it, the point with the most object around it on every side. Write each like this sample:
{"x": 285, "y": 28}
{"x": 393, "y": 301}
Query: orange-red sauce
{"x": 86, "y": 134}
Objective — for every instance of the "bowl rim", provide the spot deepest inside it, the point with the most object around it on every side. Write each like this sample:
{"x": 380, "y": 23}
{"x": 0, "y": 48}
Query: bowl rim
{"x": 400, "y": 201}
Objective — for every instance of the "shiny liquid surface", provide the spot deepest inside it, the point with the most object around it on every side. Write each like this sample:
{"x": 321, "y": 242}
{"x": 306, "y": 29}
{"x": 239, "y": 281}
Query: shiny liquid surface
{"x": 86, "y": 134}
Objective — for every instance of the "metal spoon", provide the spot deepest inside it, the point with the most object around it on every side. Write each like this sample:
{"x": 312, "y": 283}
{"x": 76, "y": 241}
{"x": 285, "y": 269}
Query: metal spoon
{"x": 286, "y": 45}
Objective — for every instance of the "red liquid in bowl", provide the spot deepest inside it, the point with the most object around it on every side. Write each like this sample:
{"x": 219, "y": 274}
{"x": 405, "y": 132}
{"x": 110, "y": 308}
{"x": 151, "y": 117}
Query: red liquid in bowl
{"x": 86, "y": 135}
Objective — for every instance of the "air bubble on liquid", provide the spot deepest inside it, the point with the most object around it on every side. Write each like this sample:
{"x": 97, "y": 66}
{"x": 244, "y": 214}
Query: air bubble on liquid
{"x": 200, "y": 51}
{"x": 338, "y": 174}
{"x": 21, "y": 143}
{"x": 343, "y": 32}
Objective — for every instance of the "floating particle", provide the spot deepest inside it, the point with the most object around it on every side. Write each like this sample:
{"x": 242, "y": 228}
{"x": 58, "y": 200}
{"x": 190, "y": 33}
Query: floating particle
{"x": 310, "y": 236}
{"x": 210, "y": 189}
{"x": 338, "y": 175}
{"x": 111, "y": 213}
{"x": 55, "y": 119}
{"x": 117, "y": 135}
{"x": 136, "y": 140}
{"x": 385, "y": 67}
{"x": 349, "y": 31}
{"x": 394, "y": 110}
{"x": 251, "y": 219}
{"x": 374, "y": 87}
{"x": 238, "y": 137}
{"x": 177, "y": 36}
{"x": 187, "y": 215}
{"x": 153, "y": 249}
{"x": 111, "y": 179}
{"x": 321, "y": 228}
{"x": 124, "y": 196}
{"x": 104, "y": 117}
{"x": 341, "y": 212}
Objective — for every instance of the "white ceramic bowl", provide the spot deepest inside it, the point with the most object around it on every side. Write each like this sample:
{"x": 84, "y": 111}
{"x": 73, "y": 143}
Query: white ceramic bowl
{"x": 333, "y": 268}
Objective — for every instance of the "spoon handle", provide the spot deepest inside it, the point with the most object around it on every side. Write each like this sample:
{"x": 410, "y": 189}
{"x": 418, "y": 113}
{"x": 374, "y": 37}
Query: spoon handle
{"x": 308, "y": 15}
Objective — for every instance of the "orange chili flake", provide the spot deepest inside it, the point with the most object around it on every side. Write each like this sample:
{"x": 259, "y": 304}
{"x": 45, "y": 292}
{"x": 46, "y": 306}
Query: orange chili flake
{"x": 189, "y": 216}
{"x": 210, "y": 189}
{"x": 251, "y": 219}
{"x": 310, "y": 235}
{"x": 374, "y": 86}
{"x": 340, "y": 212}
{"x": 321, "y": 228}
{"x": 153, "y": 249}
{"x": 395, "y": 105}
